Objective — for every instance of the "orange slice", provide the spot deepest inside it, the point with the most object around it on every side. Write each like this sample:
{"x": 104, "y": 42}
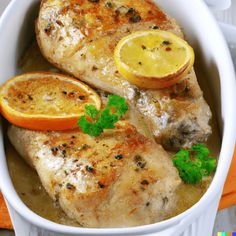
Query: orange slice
{"x": 46, "y": 101}
{"x": 153, "y": 58}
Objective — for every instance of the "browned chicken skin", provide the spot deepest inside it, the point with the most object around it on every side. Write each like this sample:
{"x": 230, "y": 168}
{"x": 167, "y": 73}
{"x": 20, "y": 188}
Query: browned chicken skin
{"x": 118, "y": 179}
{"x": 79, "y": 36}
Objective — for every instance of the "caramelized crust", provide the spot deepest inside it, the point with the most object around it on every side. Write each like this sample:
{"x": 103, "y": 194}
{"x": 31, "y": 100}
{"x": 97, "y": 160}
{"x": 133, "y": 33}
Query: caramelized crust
{"x": 118, "y": 179}
{"x": 79, "y": 36}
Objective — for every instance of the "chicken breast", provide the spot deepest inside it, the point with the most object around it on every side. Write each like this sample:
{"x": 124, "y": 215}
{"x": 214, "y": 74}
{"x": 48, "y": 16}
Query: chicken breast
{"x": 116, "y": 180}
{"x": 79, "y": 37}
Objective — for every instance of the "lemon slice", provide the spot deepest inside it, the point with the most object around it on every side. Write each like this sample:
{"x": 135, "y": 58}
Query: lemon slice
{"x": 45, "y": 101}
{"x": 153, "y": 58}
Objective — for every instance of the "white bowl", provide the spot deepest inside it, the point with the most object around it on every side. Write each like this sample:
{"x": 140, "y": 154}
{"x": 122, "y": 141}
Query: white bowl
{"x": 16, "y": 29}
{"x": 230, "y": 35}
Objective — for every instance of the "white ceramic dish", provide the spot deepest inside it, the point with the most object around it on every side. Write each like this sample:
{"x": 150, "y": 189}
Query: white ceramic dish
{"x": 230, "y": 34}
{"x": 16, "y": 29}
{"x": 226, "y": 219}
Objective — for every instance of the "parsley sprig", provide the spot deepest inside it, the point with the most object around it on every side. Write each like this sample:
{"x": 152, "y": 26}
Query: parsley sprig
{"x": 194, "y": 164}
{"x": 94, "y": 122}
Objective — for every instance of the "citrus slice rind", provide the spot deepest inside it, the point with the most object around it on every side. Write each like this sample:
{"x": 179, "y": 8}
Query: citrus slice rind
{"x": 46, "y": 101}
{"x": 153, "y": 58}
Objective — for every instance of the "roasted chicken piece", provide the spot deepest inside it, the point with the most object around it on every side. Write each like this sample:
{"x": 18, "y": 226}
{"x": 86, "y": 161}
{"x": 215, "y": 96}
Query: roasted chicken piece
{"x": 79, "y": 37}
{"x": 118, "y": 179}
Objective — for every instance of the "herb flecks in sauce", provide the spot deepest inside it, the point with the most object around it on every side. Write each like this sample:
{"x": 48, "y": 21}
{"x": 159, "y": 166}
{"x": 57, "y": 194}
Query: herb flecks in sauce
{"x": 166, "y": 42}
{"x": 94, "y": 1}
{"x": 135, "y": 19}
{"x": 70, "y": 186}
{"x": 101, "y": 185}
{"x": 145, "y": 182}
{"x": 89, "y": 169}
{"x": 140, "y": 162}
{"x": 119, "y": 157}
{"x": 109, "y": 5}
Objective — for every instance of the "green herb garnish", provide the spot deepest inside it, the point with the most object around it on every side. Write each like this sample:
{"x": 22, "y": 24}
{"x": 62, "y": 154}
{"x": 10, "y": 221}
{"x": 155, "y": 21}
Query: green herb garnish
{"x": 94, "y": 122}
{"x": 194, "y": 164}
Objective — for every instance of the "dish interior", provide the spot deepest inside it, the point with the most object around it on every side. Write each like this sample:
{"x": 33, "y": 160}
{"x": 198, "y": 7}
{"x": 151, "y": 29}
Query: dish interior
{"x": 32, "y": 192}
{"x": 28, "y": 186}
